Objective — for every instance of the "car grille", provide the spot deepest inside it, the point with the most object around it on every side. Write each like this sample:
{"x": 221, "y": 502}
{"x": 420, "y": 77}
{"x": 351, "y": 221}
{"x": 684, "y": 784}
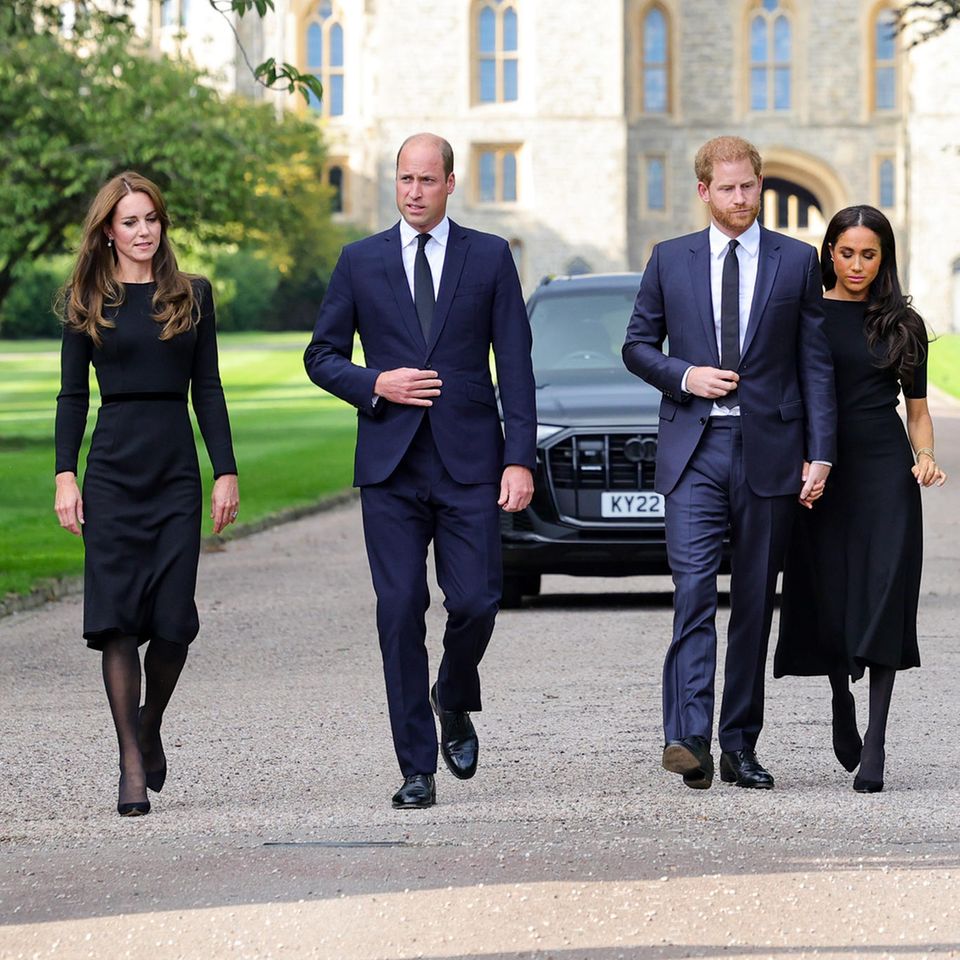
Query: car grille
{"x": 603, "y": 461}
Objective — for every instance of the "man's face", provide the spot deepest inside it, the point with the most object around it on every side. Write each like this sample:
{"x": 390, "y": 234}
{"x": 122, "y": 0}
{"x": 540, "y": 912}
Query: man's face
{"x": 422, "y": 189}
{"x": 733, "y": 196}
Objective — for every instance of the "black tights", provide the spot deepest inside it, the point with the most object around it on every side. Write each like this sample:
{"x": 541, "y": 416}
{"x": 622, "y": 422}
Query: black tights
{"x": 846, "y": 738}
{"x": 138, "y": 732}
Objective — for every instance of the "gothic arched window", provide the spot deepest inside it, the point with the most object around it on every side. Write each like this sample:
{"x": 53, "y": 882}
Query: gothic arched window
{"x": 884, "y": 41}
{"x": 771, "y": 54}
{"x": 655, "y": 65}
{"x": 323, "y": 35}
{"x": 496, "y": 51}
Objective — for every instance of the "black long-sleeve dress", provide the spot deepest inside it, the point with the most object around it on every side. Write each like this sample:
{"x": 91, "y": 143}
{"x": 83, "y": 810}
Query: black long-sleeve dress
{"x": 141, "y": 485}
{"x": 851, "y": 581}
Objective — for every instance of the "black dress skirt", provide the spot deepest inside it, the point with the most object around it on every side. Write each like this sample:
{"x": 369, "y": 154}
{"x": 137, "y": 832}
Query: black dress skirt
{"x": 851, "y": 580}
{"x": 141, "y": 485}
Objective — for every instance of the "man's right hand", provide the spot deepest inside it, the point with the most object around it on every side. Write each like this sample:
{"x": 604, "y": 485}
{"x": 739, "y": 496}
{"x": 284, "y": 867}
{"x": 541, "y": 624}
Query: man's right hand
{"x": 711, "y": 383}
{"x": 407, "y": 385}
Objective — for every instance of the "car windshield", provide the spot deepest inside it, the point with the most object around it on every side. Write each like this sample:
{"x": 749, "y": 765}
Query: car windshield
{"x": 580, "y": 331}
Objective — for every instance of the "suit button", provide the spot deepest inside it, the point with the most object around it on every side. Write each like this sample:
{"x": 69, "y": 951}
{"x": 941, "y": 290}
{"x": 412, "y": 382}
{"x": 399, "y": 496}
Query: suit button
{"x": 703, "y": 420}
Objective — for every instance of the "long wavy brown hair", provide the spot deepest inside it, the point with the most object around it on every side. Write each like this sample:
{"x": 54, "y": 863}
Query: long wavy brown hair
{"x": 896, "y": 333}
{"x": 93, "y": 285}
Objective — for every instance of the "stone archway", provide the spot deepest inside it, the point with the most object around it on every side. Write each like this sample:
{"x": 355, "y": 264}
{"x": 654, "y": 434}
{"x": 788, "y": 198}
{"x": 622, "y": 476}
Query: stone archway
{"x": 801, "y": 194}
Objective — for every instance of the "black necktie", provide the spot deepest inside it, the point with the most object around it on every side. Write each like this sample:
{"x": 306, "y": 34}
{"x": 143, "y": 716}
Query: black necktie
{"x": 730, "y": 319}
{"x": 423, "y": 297}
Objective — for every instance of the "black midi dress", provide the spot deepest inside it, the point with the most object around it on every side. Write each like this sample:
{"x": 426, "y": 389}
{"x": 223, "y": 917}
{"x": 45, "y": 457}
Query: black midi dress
{"x": 141, "y": 485}
{"x": 851, "y": 580}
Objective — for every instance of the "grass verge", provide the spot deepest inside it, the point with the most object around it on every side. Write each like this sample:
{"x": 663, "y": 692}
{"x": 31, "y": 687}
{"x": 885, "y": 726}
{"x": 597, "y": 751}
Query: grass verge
{"x": 294, "y": 446}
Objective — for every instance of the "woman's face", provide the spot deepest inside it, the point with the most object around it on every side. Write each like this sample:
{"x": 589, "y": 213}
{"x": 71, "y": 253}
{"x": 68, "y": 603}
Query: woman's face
{"x": 135, "y": 229}
{"x": 856, "y": 261}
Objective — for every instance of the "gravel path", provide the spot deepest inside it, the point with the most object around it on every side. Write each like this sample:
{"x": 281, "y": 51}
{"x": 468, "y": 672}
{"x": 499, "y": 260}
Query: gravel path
{"x": 274, "y": 836}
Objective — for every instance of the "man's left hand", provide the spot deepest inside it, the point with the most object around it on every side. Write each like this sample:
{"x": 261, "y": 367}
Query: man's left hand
{"x": 516, "y": 488}
{"x": 814, "y": 481}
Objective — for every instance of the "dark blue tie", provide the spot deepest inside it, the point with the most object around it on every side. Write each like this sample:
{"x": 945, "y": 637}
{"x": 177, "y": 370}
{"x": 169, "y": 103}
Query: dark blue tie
{"x": 730, "y": 319}
{"x": 423, "y": 297}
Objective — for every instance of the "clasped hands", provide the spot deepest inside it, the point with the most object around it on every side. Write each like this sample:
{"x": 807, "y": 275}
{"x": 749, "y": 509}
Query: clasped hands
{"x": 713, "y": 384}
{"x": 417, "y": 388}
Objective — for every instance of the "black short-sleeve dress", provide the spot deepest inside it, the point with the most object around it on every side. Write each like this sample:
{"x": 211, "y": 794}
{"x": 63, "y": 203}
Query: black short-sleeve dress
{"x": 851, "y": 581}
{"x": 141, "y": 485}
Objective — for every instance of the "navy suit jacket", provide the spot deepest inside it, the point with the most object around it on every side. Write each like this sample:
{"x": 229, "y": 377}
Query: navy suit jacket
{"x": 787, "y": 399}
{"x": 479, "y": 305}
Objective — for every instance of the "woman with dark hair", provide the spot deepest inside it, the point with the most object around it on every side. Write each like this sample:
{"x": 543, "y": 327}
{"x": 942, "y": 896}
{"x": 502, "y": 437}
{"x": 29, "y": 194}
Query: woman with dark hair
{"x": 149, "y": 331}
{"x": 851, "y": 582}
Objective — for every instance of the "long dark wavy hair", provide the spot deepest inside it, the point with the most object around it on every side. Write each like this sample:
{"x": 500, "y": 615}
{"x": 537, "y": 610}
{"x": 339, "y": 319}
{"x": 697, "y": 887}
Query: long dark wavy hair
{"x": 93, "y": 285}
{"x": 896, "y": 333}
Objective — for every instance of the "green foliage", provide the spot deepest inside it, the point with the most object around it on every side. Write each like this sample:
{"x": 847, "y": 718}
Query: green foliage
{"x": 76, "y": 110}
{"x": 294, "y": 446}
{"x": 27, "y": 311}
{"x": 245, "y": 287}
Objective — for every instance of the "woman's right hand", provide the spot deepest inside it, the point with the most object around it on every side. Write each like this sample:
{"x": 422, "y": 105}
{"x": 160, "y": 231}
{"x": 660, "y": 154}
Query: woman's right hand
{"x": 68, "y": 503}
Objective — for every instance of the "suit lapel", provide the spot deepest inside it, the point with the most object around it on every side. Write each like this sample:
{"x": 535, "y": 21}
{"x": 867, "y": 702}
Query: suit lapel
{"x": 768, "y": 263}
{"x": 453, "y": 260}
{"x": 700, "y": 282}
{"x": 393, "y": 265}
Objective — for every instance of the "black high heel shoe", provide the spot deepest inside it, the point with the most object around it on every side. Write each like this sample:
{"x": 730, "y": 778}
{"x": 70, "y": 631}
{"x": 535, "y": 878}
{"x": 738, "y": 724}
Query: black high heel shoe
{"x": 847, "y": 745}
{"x": 155, "y": 778}
{"x": 872, "y": 764}
{"x": 136, "y": 808}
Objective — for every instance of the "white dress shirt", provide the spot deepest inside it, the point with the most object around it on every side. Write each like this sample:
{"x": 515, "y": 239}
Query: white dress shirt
{"x": 748, "y": 258}
{"x": 435, "y": 249}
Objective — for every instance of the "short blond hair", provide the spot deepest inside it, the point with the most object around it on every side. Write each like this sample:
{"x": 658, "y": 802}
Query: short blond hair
{"x": 725, "y": 150}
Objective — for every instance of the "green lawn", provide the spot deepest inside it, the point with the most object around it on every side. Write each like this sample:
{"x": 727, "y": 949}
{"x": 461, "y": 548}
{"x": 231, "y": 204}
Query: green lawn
{"x": 294, "y": 445}
{"x": 944, "y": 363}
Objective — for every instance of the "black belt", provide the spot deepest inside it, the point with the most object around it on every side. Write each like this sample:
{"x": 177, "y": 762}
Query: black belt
{"x": 123, "y": 397}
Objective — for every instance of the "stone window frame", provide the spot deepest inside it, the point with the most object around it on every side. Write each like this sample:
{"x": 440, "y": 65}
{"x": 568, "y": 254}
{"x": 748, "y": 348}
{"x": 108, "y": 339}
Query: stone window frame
{"x": 311, "y": 16}
{"x": 499, "y": 55}
{"x": 885, "y": 7}
{"x": 878, "y": 177}
{"x": 172, "y": 14}
{"x": 781, "y": 9}
{"x": 332, "y": 164}
{"x": 648, "y": 210}
{"x": 500, "y": 151}
{"x": 666, "y": 66}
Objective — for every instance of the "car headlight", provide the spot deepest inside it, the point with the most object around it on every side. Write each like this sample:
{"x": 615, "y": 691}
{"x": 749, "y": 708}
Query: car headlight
{"x": 546, "y": 430}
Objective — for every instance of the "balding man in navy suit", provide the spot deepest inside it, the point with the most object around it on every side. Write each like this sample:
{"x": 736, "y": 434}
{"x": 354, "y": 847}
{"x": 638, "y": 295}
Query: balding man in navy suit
{"x": 429, "y": 299}
{"x": 747, "y": 424}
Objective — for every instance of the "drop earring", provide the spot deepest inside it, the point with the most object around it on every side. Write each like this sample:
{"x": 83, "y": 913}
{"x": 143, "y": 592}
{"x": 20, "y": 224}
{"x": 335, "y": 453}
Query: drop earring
{"x": 110, "y": 242}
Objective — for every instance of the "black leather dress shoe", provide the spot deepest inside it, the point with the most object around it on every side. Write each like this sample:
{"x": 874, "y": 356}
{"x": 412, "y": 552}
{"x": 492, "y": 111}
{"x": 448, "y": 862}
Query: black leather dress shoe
{"x": 418, "y": 791}
{"x": 742, "y": 768}
{"x": 459, "y": 745}
{"x": 690, "y": 756}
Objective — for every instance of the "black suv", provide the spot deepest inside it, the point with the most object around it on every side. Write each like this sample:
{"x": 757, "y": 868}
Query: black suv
{"x": 594, "y": 511}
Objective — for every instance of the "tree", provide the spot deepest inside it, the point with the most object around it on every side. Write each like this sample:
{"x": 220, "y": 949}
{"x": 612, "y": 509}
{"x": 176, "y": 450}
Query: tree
{"x": 26, "y": 16}
{"x": 927, "y": 18}
{"x": 74, "y": 112}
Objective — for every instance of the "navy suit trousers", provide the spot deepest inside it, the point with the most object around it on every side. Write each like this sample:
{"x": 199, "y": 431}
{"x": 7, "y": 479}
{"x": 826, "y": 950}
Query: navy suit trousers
{"x": 711, "y": 495}
{"x": 419, "y": 503}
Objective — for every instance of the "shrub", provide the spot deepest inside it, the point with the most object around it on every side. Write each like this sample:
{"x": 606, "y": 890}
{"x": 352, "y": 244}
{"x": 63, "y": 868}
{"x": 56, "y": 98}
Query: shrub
{"x": 27, "y": 310}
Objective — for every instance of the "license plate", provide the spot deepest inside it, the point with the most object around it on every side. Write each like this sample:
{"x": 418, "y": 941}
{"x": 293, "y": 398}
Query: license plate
{"x": 631, "y": 505}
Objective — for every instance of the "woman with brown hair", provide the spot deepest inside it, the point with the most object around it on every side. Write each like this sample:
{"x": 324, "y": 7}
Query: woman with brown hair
{"x": 149, "y": 331}
{"x": 851, "y": 582}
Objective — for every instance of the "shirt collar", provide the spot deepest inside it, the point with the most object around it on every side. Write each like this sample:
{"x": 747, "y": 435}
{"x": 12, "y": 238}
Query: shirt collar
{"x": 439, "y": 233}
{"x": 749, "y": 240}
